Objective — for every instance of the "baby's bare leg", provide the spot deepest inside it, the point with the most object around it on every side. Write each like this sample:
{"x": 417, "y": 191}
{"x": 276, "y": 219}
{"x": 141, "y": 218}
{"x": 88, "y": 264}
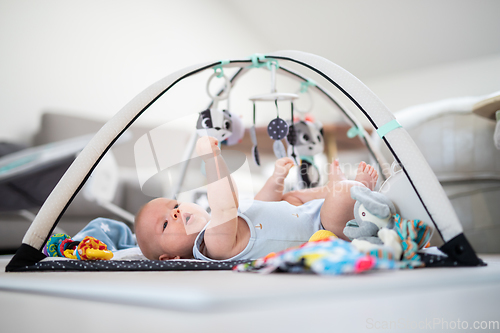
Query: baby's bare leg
{"x": 338, "y": 207}
{"x": 300, "y": 197}
{"x": 274, "y": 186}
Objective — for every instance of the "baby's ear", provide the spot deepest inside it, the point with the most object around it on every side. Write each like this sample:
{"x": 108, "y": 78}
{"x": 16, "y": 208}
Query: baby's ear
{"x": 168, "y": 257}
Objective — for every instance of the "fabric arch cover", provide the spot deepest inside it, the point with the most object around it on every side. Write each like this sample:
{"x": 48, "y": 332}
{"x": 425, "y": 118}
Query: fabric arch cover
{"x": 399, "y": 142}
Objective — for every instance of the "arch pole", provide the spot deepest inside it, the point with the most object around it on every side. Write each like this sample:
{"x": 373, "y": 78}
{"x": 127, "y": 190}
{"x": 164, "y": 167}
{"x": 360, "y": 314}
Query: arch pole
{"x": 403, "y": 148}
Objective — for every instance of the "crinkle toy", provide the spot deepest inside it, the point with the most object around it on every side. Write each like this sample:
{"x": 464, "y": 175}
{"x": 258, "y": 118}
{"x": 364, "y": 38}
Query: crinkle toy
{"x": 330, "y": 256}
{"x": 90, "y": 248}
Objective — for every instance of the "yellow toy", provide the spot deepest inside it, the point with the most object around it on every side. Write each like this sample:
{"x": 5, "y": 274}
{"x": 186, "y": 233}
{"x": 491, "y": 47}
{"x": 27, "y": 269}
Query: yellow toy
{"x": 92, "y": 249}
{"x": 321, "y": 235}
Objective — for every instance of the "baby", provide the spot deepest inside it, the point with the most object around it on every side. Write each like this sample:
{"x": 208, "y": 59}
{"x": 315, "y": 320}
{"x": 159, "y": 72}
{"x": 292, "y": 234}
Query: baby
{"x": 167, "y": 229}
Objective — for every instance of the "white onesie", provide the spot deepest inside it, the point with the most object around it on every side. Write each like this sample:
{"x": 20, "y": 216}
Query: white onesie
{"x": 274, "y": 226}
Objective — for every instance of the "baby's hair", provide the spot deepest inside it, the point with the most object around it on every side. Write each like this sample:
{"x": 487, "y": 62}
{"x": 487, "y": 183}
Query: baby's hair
{"x": 136, "y": 217}
{"x": 138, "y": 221}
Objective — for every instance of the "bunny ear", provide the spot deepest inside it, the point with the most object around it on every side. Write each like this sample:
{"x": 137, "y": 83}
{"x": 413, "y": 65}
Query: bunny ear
{"x": 359, "y": 193}
{"x": 372, "y": 201}
{"x": 378, "y": 208}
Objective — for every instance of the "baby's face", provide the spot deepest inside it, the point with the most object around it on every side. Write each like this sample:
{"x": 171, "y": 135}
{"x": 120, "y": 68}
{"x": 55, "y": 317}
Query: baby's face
{"x": 171, "y": 227}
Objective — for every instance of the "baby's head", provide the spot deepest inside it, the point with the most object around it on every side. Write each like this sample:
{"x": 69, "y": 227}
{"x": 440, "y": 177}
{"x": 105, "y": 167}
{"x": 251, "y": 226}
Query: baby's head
{"x": 166, "y": 229}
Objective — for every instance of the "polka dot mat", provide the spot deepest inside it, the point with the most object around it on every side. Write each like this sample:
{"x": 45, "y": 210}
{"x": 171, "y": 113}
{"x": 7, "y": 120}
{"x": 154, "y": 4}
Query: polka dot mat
{"x": 130, "y": 265}
{"x": 431, "y": 260}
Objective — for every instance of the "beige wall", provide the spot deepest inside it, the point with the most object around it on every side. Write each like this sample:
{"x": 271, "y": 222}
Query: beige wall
{"x": 91, "y": 58}
{"x": 474, "y": 77}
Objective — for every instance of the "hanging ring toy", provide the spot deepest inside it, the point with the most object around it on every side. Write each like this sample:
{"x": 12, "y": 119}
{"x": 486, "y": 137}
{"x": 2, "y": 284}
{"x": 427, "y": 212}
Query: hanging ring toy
{"x": 214, "y": 121}
{"x": 227, "y": 88}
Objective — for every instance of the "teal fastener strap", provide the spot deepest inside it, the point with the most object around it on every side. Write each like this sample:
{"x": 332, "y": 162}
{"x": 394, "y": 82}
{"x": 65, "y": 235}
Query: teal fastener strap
{"x": 386, "y": 128}
{"x": 222, "y": 63}
{"x": 258, "y": 60}
{"x": 304, "y": 85}
{"x": 272, "y": 62}
{"x": 354, "y": 131}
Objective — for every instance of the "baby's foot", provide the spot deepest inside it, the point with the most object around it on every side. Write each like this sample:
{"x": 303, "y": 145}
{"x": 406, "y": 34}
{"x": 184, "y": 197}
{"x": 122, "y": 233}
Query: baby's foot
{"x": 366, "y": 175}
{"x": 282, "y": 167}
{"x": 335, "y": 175}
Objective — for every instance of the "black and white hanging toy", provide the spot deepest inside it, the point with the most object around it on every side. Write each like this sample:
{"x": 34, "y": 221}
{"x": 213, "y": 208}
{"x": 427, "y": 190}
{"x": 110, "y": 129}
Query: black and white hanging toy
{"x": 220, "y": 124}
{"x": 277, "y": 129}
{"x": 305, "y": 140}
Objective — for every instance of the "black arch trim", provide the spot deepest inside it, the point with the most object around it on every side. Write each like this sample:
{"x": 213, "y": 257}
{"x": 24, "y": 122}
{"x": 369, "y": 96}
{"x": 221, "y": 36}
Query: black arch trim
{"x": 115, "y": 139}
{"x": 374, "y": 125}
{"x": 329, "y": 97}
{"x": 26, "y": 250}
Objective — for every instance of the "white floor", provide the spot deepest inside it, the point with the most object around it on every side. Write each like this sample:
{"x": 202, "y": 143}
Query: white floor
{"x": 225, "y": 301}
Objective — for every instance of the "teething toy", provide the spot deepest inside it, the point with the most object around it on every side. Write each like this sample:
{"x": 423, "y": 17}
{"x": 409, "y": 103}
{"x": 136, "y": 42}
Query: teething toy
{"x": 52, "y": 248}
{"x": 321, "y": 235}
{"x": 91, "y": 248}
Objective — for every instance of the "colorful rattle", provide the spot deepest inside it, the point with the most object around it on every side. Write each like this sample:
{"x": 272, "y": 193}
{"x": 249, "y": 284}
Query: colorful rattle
{"x": 90, "y": 248}
{"x": 56, "y": 245}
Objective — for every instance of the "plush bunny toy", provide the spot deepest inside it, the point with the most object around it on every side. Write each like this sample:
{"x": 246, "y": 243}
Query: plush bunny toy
{"x": 372, "y": 212}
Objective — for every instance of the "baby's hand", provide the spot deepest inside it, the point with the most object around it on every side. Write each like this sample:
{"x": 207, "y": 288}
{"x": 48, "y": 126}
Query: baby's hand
{"x": 207, "y": 147}
{"x": 282, "y": 167}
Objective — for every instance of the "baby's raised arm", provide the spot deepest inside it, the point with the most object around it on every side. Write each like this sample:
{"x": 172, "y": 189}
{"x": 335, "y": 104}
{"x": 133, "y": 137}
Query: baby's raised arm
{"x": 220, "y": 236}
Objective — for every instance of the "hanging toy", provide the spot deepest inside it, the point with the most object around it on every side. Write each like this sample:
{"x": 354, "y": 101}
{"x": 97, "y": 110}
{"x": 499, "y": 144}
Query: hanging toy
{"x": 214, "y": 123}
{"x": 253, "y": 137}
{"x": 220, "y": 124}
{"x": 306, "y": 140}
{"x": 277, "y": 129}
{"x": 238, "y": 130}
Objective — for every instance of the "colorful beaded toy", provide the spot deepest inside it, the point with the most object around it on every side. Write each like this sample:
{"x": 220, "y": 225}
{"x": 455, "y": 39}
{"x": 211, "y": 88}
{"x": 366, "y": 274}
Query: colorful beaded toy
{"x": 90, "y": 248}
